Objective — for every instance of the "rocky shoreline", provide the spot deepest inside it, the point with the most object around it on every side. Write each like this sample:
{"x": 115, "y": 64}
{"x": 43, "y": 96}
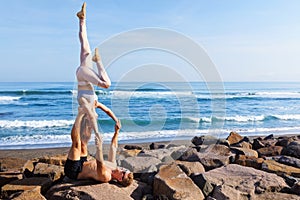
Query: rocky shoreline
{"x": 205, "y": 168}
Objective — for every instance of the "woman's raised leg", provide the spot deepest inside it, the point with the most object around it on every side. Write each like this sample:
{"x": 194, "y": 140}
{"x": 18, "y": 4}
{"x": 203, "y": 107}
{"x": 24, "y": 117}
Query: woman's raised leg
{"x": 101, "y": 71}
{"x": 85, "y": 50}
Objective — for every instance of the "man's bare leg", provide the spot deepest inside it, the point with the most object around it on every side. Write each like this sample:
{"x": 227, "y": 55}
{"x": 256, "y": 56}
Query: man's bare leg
{"x": 88, "y": 109}
{"x": 85, "y": 136}
{"x": 75, "y": 150}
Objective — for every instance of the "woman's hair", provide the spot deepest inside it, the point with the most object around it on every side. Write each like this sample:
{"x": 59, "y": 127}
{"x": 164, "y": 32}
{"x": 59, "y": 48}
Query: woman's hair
{"x": 126, "y": 181}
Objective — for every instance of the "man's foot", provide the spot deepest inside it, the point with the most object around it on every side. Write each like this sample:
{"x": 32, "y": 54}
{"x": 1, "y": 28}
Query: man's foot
{"x": 81, "y": 13}
{"x": 96, "y": 57}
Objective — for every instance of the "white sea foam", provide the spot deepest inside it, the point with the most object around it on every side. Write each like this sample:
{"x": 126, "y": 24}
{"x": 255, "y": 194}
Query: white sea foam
{"x": 149, "y": 94}
{"x": 35, "y": 123}
{"x": 278, "y": 94}
{"x": 33, "y": 141}
{"x": 288, "y": 117}
{"x": 239, "y": 118}
{"x": 8, "y": 99}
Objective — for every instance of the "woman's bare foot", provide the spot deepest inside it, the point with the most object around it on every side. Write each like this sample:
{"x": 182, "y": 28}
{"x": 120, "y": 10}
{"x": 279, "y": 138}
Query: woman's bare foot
{"x": 96, "y": 57}
{"x": 81, "y": 13}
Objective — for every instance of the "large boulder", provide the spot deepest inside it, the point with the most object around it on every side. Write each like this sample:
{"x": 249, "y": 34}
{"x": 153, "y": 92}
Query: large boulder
{"x": 234, "y": 138}
{"x": 287, "y": 160}
{"x": 15, "y": 165}
{"x": 40, "y": 184}
{"x": 204, "y": 139}
{"x": 156, "y": 153}
{"x": 249, "y": 161}
{"x": 277, "y": 195}
{"x": 88, "y": 189}
{"x": 214, "y": 156}
{"x": 293, "y": 149}
{"x": 227, "y": 192}
{"x": 284, "y": 141}
{"x": 54, "y": 160}
{"x": 201, "y": 181}
{"x": 244, "y": 181}
{"x": 54, "y": 172}
{"x": 6, "y": 177}
{"x": 257, "y": 144}
{"x": 28, "y": 195}
{"x": 280, "y": 169}
{"x": 190, "y": 167}
{"x": 270, "y": 151}
{"x": 154, "y": 145}
{"x": 244, "y": 151}
{"x": 140, "y": 164}
{"x": 172, "y": 182}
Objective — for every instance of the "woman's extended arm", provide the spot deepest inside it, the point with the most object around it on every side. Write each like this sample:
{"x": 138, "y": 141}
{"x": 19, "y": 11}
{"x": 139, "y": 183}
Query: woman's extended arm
{"x": 109, "y": 112}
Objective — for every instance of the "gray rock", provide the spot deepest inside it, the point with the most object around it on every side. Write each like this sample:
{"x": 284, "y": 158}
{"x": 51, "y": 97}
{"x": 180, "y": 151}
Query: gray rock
{"x": 284, "y": 141}
{"x": 131, "y": 147}
{"x": 293, "y": 149}
{"x": 227, "y": 192}
{"x": 244, "y": 181}
{"x": 156, "y": 153}
{"x": 269, "y": 137}
{"x": 167, "y": 159}
{"x": 277, "y": 196}
{"x": 290, "y": 180}
{"x": 156, "y": 146}
{"x": 296, "y": 188}
{"x": 287, "y": 160}
{"x": 140, "y": 164}
{"x": 214, "y": 156}
{"x": 204, "y": 139}
{"x": 211, "y": 161}
{"x": 177, "y": 152}
{"x": 39, "y": 184}
{"x": 201, "y": 181}
{"x": 257, "y": 144}
{"x": 190, "y": 167}
{"x": 190, "y": 155}
{"x": 54, "y": 172}
{"x": 88, "y": 189}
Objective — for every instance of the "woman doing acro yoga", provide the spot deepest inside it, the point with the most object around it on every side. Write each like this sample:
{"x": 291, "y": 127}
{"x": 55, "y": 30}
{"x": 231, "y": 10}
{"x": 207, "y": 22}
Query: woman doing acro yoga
{"x": 86, "y": 76}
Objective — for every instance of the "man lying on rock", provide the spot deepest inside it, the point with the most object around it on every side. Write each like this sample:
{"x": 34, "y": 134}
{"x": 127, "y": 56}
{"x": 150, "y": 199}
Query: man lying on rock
{"x": 77, "y": 166}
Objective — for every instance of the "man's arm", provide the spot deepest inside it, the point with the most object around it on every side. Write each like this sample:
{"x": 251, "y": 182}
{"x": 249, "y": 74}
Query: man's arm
{"x": 103, "y": 174}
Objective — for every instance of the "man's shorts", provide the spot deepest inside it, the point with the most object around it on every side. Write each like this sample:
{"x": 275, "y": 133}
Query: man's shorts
{"x": 74, "y": 167}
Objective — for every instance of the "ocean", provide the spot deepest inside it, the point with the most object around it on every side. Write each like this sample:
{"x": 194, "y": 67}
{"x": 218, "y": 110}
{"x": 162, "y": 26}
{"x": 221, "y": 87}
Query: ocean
{"x": 40, "y": 115}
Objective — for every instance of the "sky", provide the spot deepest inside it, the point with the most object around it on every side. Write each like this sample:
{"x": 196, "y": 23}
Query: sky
{"x": 245, "y": 40}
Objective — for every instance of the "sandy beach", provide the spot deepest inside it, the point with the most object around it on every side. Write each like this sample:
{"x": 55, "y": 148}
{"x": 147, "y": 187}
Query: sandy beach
{"x": 37, "y": 153}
